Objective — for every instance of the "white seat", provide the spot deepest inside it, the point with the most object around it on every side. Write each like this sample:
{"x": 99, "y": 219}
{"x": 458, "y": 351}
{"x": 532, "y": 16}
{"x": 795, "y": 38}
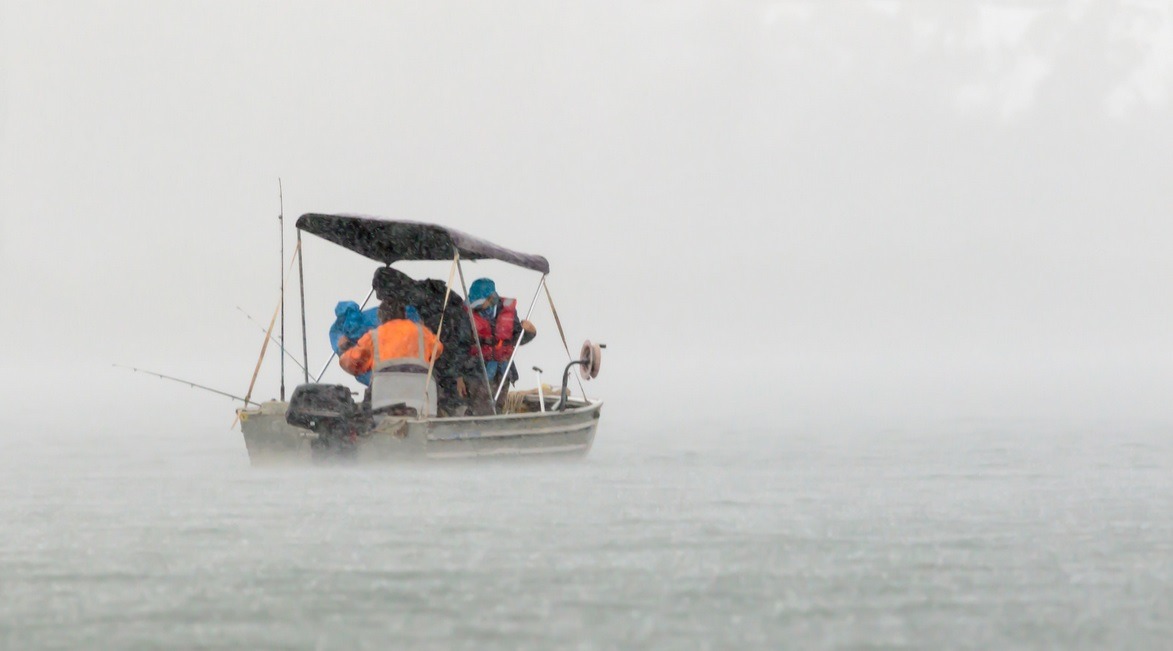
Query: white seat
{"x": 402, "y": 380}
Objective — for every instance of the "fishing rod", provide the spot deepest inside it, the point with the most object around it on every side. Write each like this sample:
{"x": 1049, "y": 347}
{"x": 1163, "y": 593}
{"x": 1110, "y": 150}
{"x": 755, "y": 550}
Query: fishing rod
{"x": 280, "y": 342}
{"x": 268, "y": 335}
{"x": 189, "y": 383}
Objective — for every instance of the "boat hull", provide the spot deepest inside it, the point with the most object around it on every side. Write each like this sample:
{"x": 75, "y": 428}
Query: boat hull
{"x": 271, "y": 440}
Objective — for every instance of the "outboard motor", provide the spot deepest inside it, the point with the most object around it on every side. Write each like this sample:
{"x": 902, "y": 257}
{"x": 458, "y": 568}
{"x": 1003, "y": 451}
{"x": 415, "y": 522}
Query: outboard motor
{"x": 329, "y": 411}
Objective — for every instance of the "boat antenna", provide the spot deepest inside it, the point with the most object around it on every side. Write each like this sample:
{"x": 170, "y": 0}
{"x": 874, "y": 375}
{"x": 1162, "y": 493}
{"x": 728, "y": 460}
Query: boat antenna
{"x": 305, "y": 355}
{"x": 188, "y": 383}
{"x": 280, "y": 269}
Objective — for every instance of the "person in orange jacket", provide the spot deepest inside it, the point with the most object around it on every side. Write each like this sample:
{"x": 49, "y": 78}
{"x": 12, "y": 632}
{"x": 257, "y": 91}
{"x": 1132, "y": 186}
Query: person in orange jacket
{"x": 398, "y": 338}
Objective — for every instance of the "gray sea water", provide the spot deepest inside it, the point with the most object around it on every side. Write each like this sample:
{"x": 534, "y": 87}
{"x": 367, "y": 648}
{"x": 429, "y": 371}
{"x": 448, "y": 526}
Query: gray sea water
{"x": 959, "y": 536}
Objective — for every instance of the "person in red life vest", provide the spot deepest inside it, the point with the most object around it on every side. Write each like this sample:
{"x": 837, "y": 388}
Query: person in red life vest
{"x": 500, "y": 330}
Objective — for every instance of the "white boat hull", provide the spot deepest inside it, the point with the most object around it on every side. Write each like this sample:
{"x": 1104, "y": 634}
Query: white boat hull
{"x": 569, "y": 433}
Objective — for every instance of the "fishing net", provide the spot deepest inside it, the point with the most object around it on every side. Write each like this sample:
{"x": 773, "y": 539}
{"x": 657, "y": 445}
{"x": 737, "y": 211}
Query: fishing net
{"x": 515, "y": 402}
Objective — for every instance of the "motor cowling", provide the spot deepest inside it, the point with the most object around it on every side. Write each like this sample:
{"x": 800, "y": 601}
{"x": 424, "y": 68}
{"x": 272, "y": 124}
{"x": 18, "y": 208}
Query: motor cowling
{"x": 323, "y": 408}
{"x": 329, "y": 411}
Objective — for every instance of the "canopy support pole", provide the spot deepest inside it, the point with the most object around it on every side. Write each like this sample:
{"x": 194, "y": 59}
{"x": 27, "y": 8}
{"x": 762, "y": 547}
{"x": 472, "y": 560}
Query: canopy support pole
{"x": 472, "y": 323}
{"x": 562, "y": 333}
{"x": 325, "y": 366}
{"x": 528, "y": 312}
{"x": 440, "y": 327}
{"x": 305, "y": 354}
{"x": 281, "y": 228}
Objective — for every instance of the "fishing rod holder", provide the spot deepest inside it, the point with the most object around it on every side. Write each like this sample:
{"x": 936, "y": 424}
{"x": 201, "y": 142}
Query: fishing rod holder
{"x": 566, "y": 378}
{"x": 591, "y": 358}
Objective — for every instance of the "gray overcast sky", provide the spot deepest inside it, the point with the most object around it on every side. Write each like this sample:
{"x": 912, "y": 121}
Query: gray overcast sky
{"x": 803, "y": 211}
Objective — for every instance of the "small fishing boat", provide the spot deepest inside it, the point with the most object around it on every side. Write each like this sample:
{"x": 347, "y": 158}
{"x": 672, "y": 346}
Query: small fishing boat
{"x": 323, "y": 422}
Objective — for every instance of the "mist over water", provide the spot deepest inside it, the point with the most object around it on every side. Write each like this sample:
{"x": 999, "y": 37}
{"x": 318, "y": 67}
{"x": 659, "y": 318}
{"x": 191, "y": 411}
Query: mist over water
{"x": 885, "y": 287}
{"x": 963, "y": 535}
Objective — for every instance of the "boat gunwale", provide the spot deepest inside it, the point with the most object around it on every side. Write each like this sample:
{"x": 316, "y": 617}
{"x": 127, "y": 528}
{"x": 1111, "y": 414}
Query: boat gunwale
{"x": 583, "y": 408}
{"x": 565, "y": 428}
{"x": 589, "y": 406}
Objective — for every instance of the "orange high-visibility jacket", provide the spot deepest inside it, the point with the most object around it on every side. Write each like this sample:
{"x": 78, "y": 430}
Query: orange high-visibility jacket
{"x": 397, "y": 338}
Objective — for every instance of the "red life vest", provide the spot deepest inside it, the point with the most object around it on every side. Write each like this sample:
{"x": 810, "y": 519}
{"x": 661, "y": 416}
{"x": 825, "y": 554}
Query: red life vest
{"x": 497, "y": 338}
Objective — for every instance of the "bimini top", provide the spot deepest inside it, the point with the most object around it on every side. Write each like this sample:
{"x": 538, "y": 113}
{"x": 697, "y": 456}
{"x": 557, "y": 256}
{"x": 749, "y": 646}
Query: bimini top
{"x": 389, "y": 241}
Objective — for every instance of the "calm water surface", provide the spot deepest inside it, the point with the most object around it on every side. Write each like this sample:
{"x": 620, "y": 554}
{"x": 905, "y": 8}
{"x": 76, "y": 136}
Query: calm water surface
{"x": 955, "y": 537}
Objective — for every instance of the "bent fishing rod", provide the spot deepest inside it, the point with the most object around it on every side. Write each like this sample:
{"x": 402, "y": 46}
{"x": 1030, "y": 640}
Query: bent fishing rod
{"x": 280, "y": 342}
{"x": 189, "y": 383}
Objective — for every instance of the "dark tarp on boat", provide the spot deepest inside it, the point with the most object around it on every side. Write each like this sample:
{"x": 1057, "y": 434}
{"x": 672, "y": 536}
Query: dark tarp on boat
{"x": 389, "y": 241}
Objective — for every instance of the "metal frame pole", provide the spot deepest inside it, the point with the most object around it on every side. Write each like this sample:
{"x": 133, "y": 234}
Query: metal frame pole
{"x": 562, "y": 333}
{"x": 305, "y": 353}
{"x": 281, "y": 228}
{"x": 472, "y": 323}
{"x": 528, "y": 312}
{"x": 439, "y": 329}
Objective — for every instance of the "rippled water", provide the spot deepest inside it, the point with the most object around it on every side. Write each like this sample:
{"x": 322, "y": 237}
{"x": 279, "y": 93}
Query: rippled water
{"x": 959, "y": 537}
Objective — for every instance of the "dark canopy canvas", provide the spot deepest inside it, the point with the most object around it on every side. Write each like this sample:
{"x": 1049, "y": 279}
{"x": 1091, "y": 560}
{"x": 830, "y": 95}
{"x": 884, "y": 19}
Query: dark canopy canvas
{"x": 389, "y": 241}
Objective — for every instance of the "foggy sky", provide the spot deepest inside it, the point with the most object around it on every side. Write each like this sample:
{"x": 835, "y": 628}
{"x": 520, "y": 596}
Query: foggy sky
{"x": 771, "y": 212}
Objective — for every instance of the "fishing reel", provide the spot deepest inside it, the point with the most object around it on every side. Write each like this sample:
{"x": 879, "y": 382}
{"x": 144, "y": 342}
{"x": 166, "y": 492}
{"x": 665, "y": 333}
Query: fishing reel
{"x": 590, "y": 358}
{"x": 589, "y": 361}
